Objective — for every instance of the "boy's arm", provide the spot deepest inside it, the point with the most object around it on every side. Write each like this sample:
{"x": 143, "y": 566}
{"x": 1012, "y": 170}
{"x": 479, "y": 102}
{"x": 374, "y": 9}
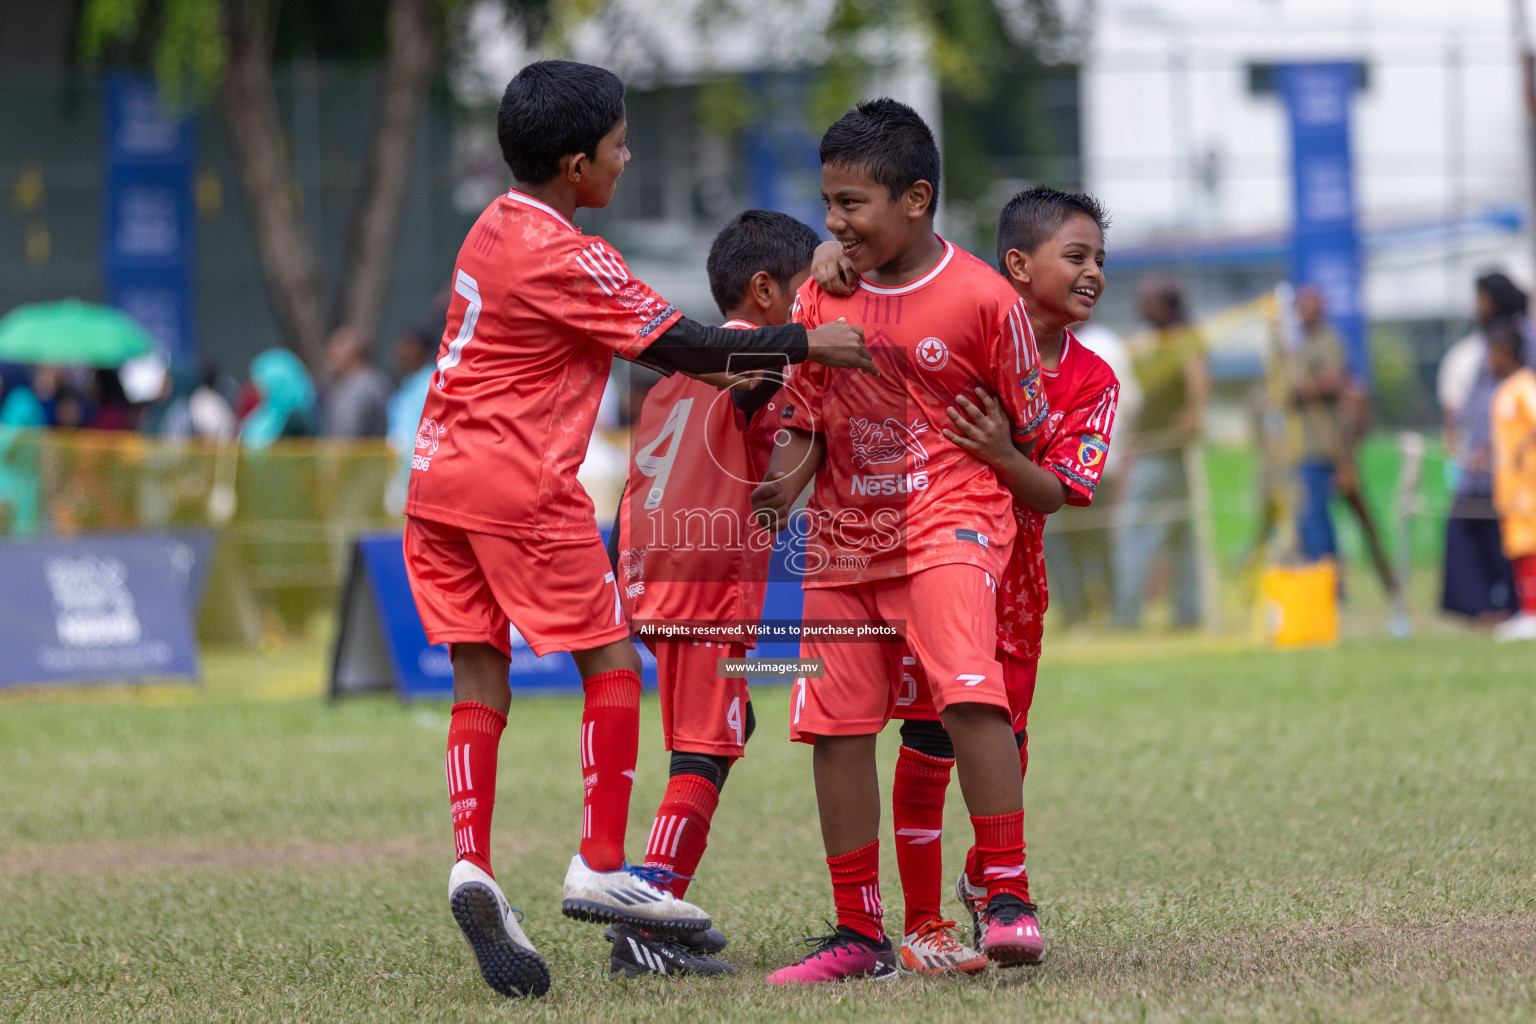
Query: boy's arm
{"x": 791, "y": 468}
{"x": 696, "y": 348}
{"x": 985, "y": 431}
{"x": 600, "y": 298}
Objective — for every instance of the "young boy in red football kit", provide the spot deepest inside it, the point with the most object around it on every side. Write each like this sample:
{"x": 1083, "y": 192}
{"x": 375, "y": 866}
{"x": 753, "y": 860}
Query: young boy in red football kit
{"x": 499, "y": 531}
{"x": 907, "y": 529}
{"x": 1050, "y": 245}
{"x": 691, "y": 555}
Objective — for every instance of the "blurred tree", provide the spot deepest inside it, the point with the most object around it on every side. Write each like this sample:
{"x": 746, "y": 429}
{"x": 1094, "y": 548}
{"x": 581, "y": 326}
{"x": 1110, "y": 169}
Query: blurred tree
{"x": 223, "y": 51}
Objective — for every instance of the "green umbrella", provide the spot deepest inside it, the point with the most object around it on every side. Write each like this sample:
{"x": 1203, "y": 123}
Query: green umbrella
{"x": 71, "y": 333}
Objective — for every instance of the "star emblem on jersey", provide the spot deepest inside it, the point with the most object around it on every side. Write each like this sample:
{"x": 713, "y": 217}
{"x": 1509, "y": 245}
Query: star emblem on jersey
{"x": 932, "y": 354}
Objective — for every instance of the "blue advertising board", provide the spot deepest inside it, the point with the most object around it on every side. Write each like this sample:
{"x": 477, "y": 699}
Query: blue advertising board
{"x": 381, "y": 644}
{"x": 147, "y": 224}
{"x": 109, "y": 608}
{"x": 1326, "y": 244}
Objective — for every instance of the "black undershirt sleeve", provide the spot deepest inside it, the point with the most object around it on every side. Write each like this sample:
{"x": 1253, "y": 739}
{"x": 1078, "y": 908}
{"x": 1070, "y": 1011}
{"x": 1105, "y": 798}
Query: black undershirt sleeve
{"x": 695, "y": 348}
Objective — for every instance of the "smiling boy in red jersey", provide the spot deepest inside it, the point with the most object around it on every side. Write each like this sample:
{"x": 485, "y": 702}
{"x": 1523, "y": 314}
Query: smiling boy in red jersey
{"x": 499, "y": 531}
{"x": 908, "y": 530}
{"x": 691, "y": 554}
{"x": 1051, "y": 246}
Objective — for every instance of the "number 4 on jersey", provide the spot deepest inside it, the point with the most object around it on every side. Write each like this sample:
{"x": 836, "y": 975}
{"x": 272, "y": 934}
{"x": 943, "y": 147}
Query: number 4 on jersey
{"x": 659, "y": 467}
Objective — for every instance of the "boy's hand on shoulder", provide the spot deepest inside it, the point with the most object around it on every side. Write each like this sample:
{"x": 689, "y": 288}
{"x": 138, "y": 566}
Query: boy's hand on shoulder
{"x": 833, "y": 271}
{"x": 982, "y": 428}
{"x": 839, "y": 344}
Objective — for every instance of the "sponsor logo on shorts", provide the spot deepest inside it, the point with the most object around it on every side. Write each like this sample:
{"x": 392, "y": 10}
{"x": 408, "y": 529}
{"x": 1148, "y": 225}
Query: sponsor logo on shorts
{"x": 974, "y": 536}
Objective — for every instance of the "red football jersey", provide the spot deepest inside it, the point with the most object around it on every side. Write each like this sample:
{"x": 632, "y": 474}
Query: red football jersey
{"x": 689, "y": 547}
{"x": 538, "y": 311}
{"x": 1083, "y": 393}
{"x": 893, "y": 496}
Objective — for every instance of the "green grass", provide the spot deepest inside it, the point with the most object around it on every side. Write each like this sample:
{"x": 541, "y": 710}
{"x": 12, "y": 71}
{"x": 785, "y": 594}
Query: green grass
{"x": 1321, "y": 835}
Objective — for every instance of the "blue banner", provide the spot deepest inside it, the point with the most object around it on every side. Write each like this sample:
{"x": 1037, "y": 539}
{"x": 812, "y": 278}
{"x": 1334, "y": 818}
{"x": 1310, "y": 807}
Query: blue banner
{"x": 1326, "y": 245}
{"x": 99, "y": 609}
{"x": 147, "y": 224}
{"x": 382, "y": 644}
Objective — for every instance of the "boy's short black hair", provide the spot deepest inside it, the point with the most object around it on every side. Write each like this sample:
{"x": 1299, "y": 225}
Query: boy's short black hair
{"x": 554, "y": 108}
{"x": 757, "y": 240}
{"x": 1035, "y": 214}
{"x": 889, "y": 142}
{"x": 1505, "y": 333}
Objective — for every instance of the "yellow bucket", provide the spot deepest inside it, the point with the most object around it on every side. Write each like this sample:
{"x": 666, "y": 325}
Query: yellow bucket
{"x": 1301, "y": 604}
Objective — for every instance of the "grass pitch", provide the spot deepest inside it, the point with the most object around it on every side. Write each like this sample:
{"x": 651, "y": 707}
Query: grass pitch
{"x": 1325, "y": 835}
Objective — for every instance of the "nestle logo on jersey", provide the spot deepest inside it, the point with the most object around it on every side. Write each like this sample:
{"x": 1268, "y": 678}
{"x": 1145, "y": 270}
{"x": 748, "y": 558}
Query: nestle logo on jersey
{"x": 890, "y": 483}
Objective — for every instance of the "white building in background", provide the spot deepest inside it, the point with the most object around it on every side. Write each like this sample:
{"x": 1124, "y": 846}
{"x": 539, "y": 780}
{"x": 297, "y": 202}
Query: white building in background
{"x": 1186, "y": 146}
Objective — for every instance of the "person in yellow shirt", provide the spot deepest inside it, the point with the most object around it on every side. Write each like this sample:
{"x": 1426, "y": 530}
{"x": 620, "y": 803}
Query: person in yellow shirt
{"x": 1514, "y": 468}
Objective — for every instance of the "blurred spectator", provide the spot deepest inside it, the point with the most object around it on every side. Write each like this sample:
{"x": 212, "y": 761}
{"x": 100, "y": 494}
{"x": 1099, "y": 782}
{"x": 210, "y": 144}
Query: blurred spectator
{"x": 413, "y": 354}
{"x": 1514, "y": 468}
{"x": 1078, "y": 544}
{"x": 169, "y": 416}
{"x": 1478, "y": 580}
{"x": 413, "y": 358}
{"x": 110, "y": 408}
{"x": 21, "y": 417}
{"x": 357, "y": 404}
{"x": 1316, "y": 382}
{"x": 1168, "y": 365}
{"x": 212, "y": 416}
{"x": 285, "y": 404}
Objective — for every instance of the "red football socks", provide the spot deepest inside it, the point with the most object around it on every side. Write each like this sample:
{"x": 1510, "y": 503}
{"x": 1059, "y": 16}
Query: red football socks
{"x": 917, "y": 804}
{"x": 474, "y": 733}
{"x": 998, "y": 861}
{"x": 681, "y": 829}
{"x": 856, "y": 890}
{"x": 610, "y": 742}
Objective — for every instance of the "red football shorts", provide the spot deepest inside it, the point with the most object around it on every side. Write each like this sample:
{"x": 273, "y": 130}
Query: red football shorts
{"x": 700, "y": 712}
{"x": 914, "y": 701}
{"x": 949, "y": 617}
{"x": 471, "y": 587}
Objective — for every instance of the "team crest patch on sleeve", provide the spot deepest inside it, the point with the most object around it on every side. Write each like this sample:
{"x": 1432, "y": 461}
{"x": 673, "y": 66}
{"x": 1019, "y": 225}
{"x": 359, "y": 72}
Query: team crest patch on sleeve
{"x": 1031, "y": 385}
{"x": 1091, "y": 449}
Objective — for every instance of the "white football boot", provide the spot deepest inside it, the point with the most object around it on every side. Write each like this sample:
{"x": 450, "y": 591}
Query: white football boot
{"x": 508, "y": 961}
{"x": 631, "y": 895}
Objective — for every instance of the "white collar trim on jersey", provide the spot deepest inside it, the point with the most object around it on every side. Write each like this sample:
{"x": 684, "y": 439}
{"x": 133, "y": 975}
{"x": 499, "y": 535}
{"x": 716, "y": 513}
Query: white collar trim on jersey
{"x": 740, "y": 325}
{"x": 1066, "y": 346}
{"x": 949, "y": 252}
{"x": 517, "y": 197}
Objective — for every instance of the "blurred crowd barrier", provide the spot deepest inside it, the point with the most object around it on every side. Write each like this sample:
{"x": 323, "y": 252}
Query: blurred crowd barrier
{"x": 284, "y": 519}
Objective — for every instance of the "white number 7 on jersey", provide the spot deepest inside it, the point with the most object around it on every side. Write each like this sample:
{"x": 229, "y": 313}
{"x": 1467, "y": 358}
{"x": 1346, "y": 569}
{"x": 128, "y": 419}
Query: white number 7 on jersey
{"x": 660, "y": 466}
{"x": 465, "y": 286}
